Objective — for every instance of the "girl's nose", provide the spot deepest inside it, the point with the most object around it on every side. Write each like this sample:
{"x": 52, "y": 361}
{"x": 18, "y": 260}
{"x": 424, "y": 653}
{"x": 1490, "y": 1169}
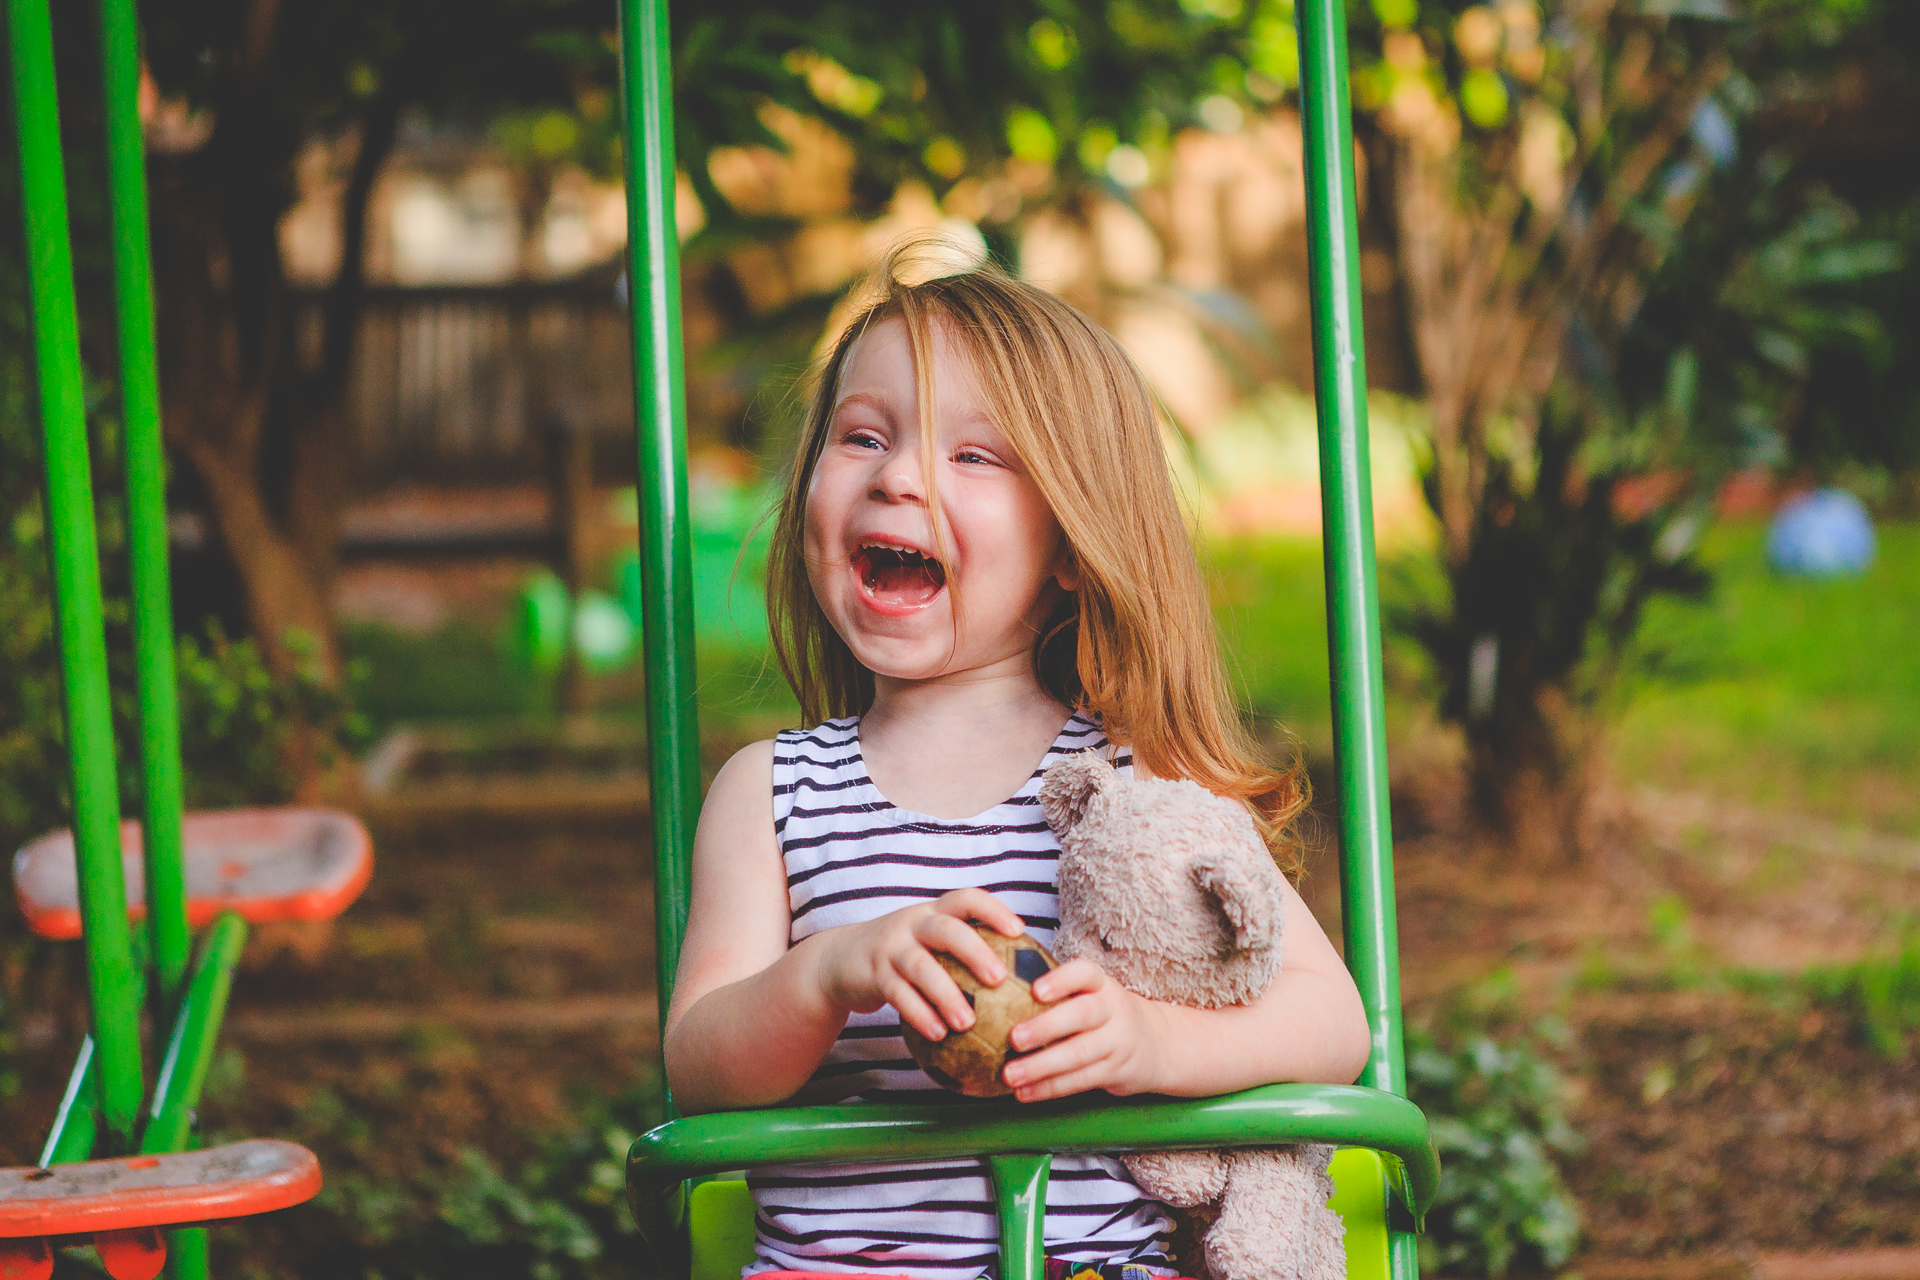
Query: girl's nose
{"x": 899, "y": 480}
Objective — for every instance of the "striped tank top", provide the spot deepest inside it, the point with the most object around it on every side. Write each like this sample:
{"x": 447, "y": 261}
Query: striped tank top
{"x": 852, "y": 856}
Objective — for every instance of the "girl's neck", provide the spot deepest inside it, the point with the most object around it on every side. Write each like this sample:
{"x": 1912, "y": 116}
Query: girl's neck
{"x": 957, "y": 745}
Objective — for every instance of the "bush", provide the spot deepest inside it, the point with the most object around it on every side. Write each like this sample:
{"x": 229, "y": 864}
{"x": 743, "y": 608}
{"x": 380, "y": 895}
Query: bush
{"x": 561, "y": 1216}
{"x": 1498, "y": 1121}
{"x": 243, "y": 728}
{"x": 1880, "y": 995}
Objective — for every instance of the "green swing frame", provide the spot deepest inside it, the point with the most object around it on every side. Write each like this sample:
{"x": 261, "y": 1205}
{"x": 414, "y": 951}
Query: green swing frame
{"x": 151, "y": 967}
{"x": 106, "y": 1105}
{"x": 665, "y": 1165}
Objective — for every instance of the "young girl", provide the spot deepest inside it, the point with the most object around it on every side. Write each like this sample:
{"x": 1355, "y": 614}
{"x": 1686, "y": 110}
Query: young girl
{"x": 979, "y": 566}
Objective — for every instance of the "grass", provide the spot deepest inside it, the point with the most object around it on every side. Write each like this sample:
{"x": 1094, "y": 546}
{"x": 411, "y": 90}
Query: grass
{"x": 1785, "y": 693}
{"x": 1781, "y": 693}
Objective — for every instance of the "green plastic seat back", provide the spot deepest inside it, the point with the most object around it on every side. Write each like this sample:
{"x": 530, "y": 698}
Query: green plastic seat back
{"x": 721, "y": 1219}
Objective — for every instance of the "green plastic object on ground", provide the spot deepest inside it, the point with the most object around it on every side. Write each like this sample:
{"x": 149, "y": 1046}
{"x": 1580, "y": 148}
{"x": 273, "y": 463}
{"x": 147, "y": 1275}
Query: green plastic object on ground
{"x": 541, "y": 613}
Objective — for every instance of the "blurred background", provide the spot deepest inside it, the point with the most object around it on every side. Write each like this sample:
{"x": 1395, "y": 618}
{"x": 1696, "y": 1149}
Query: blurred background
{"x": 1639, "y": 280}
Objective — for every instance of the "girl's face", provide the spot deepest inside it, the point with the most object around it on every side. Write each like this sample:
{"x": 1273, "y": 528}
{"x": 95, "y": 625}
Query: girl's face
{"x": 872, "y": 558}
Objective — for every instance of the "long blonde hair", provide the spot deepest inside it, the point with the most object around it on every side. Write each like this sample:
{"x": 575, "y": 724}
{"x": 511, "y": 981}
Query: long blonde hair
{"x": 1135, "y": 643}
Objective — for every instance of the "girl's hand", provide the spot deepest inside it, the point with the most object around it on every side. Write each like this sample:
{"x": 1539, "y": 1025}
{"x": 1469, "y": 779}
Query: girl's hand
{"x": 890, "y": 960}
{"x": 1101, "y": 1036}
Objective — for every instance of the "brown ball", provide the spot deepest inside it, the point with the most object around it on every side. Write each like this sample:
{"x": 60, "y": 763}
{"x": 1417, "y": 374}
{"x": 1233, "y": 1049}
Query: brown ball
{"x": 971, "y": 1061}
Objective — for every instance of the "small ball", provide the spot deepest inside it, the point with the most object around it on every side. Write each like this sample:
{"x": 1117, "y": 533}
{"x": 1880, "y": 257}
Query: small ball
{"x": 971, "y": 1061}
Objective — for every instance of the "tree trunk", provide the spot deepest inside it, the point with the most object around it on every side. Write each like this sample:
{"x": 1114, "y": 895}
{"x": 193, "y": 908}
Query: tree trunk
{"x": 1531, "y": 774}
{"x": 267, "y": 440}
{"x": 283, "y": 593}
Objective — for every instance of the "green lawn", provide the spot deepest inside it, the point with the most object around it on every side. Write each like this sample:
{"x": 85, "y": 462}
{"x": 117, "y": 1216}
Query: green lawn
{"x": 1787, "y": 693}
{"x": 1781, "y": 693}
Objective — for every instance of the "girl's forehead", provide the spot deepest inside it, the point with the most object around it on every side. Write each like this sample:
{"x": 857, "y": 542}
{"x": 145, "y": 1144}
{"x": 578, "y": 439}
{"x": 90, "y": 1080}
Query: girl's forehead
{"x": 880, "y": 359}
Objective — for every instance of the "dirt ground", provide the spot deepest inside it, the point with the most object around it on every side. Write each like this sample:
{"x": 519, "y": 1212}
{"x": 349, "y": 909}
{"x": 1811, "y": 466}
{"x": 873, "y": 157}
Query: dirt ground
{"x": 494, "y": 971}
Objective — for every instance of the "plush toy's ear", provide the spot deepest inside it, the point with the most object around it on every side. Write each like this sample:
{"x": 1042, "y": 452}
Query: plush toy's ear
{"x": 1245, "y": 900}
{"x": 1070, "y": 787}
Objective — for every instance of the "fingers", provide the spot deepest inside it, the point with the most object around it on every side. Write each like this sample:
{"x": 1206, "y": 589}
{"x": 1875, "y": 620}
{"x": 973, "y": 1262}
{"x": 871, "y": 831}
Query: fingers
{"x": 1075, "y": 977}
{"x": 1068, "y": 1018}
{"x": 913, "y": 1009}
{"x": 1081, "y": 1061}
{"x": 978, "y": 904}
{"x": 940, "y": 932}
{"x": 930, "y": 981}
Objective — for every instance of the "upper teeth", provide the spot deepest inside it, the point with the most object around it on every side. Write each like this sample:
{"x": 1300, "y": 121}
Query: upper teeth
{"x": 903, "y": 552}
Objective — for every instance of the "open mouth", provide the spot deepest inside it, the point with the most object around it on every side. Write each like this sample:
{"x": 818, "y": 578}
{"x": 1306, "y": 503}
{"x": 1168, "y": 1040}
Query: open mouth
{"x": 898, "y": 576}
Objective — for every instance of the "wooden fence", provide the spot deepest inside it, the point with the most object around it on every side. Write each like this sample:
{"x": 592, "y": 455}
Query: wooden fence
{"x": 463, "y": 385}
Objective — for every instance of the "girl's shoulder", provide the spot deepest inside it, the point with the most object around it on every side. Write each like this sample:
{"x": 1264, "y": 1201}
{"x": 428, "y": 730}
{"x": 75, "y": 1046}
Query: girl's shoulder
{"x": 827, "y": 736}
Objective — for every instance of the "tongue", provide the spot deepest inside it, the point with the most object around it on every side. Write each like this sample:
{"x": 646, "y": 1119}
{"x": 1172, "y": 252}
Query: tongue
{"x": 902, "y": 584}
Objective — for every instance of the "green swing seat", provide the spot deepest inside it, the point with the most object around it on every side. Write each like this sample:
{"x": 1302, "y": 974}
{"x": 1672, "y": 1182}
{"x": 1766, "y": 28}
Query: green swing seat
{"x": 720, "y": 1219}
{"x": 683, "y": 1180}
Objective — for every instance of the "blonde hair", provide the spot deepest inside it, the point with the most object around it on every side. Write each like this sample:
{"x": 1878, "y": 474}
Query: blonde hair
{"x": 1135, "y": 643}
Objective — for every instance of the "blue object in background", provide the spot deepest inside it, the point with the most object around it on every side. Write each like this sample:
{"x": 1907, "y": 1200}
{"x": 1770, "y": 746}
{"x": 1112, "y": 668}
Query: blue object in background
{"x": 1821, "y": 535}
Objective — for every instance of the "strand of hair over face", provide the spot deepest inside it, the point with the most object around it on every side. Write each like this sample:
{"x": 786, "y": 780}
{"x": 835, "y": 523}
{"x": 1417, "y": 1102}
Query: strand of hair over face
{"x": 1144, "y": 650}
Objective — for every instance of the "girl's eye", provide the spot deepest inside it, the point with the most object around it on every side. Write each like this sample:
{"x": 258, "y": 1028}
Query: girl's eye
{"x": 972, "y": 455}
{"x": 862, "y": 439}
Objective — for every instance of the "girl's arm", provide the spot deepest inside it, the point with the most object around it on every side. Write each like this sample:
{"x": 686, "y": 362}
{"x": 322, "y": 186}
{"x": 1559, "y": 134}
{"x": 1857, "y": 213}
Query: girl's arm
{"x": 1310, "y": 1026}
{"x": 751, "y": 1016}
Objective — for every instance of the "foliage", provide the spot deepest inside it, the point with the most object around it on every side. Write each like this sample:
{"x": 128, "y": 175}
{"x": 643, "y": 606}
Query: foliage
{"x": 1881, "y": 994}
{"x": 1622, "y": 276}
{"x": 240, "y": 722}
{"x": 561, "y": 1216}
{"x": 1498, "y": 1117}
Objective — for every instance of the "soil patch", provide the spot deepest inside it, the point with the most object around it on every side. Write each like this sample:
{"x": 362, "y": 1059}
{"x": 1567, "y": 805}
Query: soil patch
{"x": 499, "y": 972}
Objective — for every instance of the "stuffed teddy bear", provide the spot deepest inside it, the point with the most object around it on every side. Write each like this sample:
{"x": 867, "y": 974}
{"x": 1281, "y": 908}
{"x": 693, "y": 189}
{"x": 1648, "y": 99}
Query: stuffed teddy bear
{"x": 1170, "y": 889}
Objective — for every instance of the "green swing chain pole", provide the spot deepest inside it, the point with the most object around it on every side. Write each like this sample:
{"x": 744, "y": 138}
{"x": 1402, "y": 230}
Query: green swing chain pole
{"x": 146, "y": 503}
{"x": 1353, "y": 610}
{"x": 666, "y": 575}
{"x": 114, "y": 981}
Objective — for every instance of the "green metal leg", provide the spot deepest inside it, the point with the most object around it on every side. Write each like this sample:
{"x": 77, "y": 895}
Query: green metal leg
{"x": 78, "y": 1122}
{"x": 190, "y": 1051}
{"x": 146, "y": 504}
{"x": 116, "y": 986}
{"x": 187, "y": 1254}
{"x": 666, "y": 538}
{"x": 1020, "y": 1185}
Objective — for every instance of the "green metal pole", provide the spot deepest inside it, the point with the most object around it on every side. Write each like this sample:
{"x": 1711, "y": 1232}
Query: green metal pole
{"x": 1020, "y": 1191}
{"x": 114, "y": 981}
{"x": 666, "y": 576}
{"x": 183, "y": 1072}
{"x": 78, "y": 1119}
{"x": 1346, "y": 496}
{"x": 146, "y": 502}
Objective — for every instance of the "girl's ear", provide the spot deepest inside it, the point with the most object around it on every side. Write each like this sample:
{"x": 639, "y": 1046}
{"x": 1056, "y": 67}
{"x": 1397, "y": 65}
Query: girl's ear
{"x": 1067, "y": 571}
{"x": 1070, "y": 787}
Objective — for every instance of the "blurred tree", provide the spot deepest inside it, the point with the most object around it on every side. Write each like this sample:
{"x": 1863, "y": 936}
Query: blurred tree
{"x": 1547, "y": 182}
{"x": 247, "y": 84}
{"x": 943, "y": 89}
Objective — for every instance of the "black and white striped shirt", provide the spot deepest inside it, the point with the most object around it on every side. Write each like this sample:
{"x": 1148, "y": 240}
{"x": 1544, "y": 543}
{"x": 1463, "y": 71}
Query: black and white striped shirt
{"x": 852, "y": 856}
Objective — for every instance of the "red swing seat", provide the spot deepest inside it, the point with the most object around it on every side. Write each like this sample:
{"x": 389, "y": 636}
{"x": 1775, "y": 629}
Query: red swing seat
{"x": 120, "y": 1204}
{"x": 264, "y": 864}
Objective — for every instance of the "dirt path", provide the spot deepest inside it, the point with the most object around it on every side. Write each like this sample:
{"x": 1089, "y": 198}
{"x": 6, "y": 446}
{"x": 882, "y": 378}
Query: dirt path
{"x": 496, "y": 972}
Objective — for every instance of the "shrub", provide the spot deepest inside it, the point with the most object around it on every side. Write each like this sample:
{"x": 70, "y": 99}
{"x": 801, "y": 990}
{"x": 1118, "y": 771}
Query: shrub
{"x": 243, "y": 728}
{"x": 560, "y": 1216}
{"x": 1881, "y": 996}
{"x": 1498, "y": 1121}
